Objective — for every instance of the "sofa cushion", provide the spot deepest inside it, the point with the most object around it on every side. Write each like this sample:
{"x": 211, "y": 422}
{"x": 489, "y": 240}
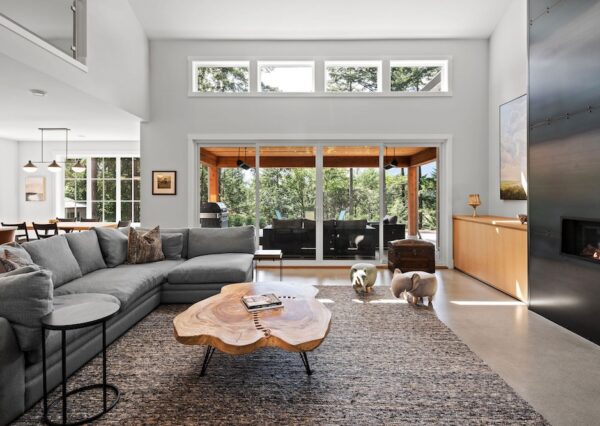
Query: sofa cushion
{"x": 113, "y": 244}
{"x": 204, "y": 241}
{"x": 144, "y": 246}
{"x": 13, "y": 256}
{"x": 213, "y": 268}
{"x": 26, "y": 296}
{"x": 185, "y": 232}
{"x": 172, "y": 245}
{"x": 86, "y": 249}
{"x": 55, "y": 255}
{"x": 126, "y": 282}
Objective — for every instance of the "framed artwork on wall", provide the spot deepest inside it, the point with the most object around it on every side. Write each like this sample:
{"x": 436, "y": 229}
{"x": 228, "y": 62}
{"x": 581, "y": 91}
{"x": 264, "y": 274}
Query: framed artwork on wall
{"x": 35, "y": 188}
{"x": 164, "y": 182}
{"x": 513, "y": 149}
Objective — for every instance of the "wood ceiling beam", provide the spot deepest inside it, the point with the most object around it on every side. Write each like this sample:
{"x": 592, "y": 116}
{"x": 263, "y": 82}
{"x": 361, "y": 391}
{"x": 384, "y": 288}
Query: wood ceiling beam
{"x": 309, "y": 162}
{"x": 423, "y": 157}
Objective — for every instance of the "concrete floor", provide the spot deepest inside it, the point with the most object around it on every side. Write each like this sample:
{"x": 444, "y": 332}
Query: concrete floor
{"x": 555, "y": 370}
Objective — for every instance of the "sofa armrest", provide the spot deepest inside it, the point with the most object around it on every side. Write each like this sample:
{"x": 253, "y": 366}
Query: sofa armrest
{"x": 12, "y": 374}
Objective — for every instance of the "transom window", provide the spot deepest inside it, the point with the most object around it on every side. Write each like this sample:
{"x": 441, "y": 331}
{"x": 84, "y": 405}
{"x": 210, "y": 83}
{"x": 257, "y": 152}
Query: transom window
{"x": 286, "y": 76}
{"x": 222, "y": 77}
{"x": 107, "y": 190}
{"x": 356, "y": 76}
{"x": 419, "y": 76}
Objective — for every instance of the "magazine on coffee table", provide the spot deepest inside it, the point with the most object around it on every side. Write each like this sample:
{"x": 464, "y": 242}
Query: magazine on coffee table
{"x": 261, "y": 302}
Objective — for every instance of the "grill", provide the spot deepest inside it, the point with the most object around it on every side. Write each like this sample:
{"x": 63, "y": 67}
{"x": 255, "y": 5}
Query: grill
{"x": 214, "y": 215}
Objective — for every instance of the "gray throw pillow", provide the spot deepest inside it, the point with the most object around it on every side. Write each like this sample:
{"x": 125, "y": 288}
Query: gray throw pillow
{"x": 113, "y": 244}
{"x": 86, "y": 249}
{"x": 172, "y": 245}
{"x": 26, "y": 296}
{"x": 221, "y": 240}
{"x": 55, "y": 255}
{"x": 185, "y": 232}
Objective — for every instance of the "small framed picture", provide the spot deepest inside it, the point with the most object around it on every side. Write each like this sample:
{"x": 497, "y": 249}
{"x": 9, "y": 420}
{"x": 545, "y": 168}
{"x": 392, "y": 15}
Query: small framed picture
{"x": 35, "y": 188}
{"x": 164, "y": 183}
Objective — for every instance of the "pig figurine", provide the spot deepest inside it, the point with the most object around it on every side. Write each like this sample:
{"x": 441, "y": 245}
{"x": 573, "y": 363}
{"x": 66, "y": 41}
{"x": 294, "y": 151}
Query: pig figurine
{"x": 363, "y": 277}
{"x": 416, "y": 285}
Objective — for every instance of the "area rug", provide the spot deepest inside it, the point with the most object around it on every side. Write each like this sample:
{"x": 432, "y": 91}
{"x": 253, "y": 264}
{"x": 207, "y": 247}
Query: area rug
{"x": 383, "y": 362}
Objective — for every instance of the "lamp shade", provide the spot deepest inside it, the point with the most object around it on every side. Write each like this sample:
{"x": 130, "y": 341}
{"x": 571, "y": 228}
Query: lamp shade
{"x": 54, "y": 167}
{"x": 78, "y": 167}
{"x": 30, "y": 167}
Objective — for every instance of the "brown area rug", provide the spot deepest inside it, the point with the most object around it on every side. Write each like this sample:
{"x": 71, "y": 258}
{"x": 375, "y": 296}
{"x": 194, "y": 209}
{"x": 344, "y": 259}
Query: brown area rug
{"x": 383, "y": 363}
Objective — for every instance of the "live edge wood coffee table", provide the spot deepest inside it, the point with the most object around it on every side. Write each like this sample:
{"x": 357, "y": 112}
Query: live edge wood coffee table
{"x": 222, "y": 322}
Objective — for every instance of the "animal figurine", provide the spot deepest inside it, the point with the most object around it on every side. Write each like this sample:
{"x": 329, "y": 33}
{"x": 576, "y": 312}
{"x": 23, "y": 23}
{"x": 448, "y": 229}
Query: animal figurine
{"x": 415, "y": 285}
{"x": 363, "y": 277}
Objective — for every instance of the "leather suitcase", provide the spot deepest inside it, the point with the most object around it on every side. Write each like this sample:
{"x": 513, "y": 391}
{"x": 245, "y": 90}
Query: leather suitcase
{"x": 411, "y": 255}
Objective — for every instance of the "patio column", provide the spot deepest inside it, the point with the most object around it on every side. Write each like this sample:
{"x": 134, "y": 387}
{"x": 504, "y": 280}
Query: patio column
{"x": 413, "y": 195}
{"x": 213, "y": 184}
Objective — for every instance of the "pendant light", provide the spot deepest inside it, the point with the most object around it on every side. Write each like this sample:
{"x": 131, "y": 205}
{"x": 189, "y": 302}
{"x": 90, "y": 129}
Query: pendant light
{"x": 242, "y": 164}
{"x": 54, "y": 167}
{"x": 393, "y": 163}
{"x": 30, "y": 167}
{"x": 78, "y": 167}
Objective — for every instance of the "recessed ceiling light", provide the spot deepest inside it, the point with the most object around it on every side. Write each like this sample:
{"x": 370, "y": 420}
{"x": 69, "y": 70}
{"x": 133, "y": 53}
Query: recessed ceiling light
{"x": 38, "y": 92}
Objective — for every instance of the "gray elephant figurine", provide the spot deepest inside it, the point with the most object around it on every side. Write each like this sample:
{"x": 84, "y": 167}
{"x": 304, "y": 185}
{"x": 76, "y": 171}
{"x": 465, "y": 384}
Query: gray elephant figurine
{"x": 363, "y": 277}
{"x": 416, "y": 285}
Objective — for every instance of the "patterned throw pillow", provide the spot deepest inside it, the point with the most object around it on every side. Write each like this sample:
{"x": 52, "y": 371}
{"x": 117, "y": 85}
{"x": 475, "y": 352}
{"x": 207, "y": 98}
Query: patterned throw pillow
{"x": 144, "y": 247}
{"x": 9, "y": 261}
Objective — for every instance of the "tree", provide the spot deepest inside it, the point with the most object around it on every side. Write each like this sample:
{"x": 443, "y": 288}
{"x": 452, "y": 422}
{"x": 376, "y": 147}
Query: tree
{"x": 352, "y": 79}
{"x": 412, "y": 79}
{"x": 222, "y": 79}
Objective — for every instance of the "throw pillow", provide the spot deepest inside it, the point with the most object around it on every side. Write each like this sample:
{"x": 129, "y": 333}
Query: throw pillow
{"x": 13, "y": 256}
{"x": 113, "y": 244}
{"x": 26, "y": 296}
{"x": 172, "y": 245}
{"x": 86, "y": 249}
{"x": 55, "y": 255}
{"x": 144, "y": 247}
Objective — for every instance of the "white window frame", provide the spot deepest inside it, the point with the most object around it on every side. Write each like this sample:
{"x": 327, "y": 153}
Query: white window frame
{"x": 215, "y": 64}
{"x": 383, "y": 84}
{"x": 443, "y": 63}
{"x": 355, "y": 64}
{"x": 284, "y": 64}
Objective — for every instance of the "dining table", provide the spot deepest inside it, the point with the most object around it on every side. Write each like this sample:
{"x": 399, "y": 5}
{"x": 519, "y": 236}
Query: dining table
{"x": 7, "y": 234}
{"x": 79, "y": 226}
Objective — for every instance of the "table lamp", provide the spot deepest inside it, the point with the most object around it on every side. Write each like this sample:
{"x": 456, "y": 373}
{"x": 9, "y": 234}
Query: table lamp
{"x": 474, "y": 201}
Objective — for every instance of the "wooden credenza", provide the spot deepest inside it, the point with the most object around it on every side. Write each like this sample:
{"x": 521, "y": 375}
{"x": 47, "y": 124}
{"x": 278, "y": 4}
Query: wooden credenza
{"x": 493, "y": 250}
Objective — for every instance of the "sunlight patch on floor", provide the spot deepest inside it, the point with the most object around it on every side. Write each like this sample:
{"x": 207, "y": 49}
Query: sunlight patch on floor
{"x": 486, "y": 303}
{"x": 380, "y": 301}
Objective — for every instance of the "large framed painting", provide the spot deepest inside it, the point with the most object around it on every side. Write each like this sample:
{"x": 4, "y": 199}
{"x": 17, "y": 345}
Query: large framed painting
{"x": 513, "y": 149}
{"x": 164, "y": 183}
{"x": 35, "y": 188}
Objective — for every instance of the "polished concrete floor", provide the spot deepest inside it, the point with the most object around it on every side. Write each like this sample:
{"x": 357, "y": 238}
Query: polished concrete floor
{"x": 556, "y": 371}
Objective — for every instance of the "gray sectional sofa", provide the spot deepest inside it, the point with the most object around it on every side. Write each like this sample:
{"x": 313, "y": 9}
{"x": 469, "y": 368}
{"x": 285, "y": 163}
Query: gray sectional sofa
{"x": 199, "y": 261}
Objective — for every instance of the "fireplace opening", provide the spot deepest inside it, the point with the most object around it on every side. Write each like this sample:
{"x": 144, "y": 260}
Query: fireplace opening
{"x": 581, "y": 238}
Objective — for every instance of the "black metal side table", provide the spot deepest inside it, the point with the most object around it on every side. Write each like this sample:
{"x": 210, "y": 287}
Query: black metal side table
{"x": 92, "y": 310}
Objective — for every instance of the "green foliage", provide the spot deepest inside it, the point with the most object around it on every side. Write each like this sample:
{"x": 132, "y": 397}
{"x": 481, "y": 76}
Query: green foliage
{"x": 223, "y": 79}
{"x": 412, "y": 79}
{"x": 351, "y": 79}
{"x": 512, "y": 190}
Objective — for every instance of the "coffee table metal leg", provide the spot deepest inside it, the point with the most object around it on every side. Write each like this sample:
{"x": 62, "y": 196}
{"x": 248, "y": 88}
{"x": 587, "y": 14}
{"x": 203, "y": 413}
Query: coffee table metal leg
{"x": 44, "y": 374}
{"x": 207, "y": 356}
{"x": 104, "y": 363}
{"x": 64, "y": 375}
{"x": 305, "y": 362}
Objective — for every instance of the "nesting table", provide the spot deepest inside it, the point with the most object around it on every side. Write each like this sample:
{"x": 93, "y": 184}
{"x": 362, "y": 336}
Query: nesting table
{"x": 273, "y": 255}
{"x": 92, "y": 310}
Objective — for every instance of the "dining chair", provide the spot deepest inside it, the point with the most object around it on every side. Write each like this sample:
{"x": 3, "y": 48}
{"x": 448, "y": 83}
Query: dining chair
{"x": 66, "y": 219}
{"x": 19, "y": 237}
{"x": 123, "y": 223}
{"x": 91, "y": 219}
{"x": 46, "y": 228}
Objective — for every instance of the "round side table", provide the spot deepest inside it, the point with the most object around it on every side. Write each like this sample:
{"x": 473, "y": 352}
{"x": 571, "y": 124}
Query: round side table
{"x": 92, "y": 310}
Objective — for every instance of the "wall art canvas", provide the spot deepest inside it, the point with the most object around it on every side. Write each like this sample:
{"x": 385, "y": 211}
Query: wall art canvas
{"x": 35, "y": 188}
{"x": 513, "y": 149}
{"x": 164, "y": 183}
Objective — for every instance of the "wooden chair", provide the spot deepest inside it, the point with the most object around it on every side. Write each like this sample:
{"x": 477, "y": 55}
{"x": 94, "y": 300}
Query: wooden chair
{"x": 92, "y": 219}
{"x": 65, "y": 219}
{"x": 19, "y": 237}
{"x": 46, "y": 228}
{"x": 123, "y": 223}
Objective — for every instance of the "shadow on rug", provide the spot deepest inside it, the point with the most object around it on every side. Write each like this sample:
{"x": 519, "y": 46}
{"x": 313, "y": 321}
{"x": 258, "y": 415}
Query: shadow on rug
{"x": 383, "y": 362}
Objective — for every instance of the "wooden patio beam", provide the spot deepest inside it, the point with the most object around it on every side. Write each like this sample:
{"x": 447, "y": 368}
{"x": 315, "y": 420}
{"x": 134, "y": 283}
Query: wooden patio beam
{"x": 213, "y": 184}
{"x": 309, "y": 161}
{"x": 413, "y": 201}
{"x": 423, "y": 157}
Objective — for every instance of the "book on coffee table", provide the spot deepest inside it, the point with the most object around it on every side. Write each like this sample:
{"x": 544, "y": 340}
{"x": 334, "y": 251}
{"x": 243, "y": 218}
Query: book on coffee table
{"x": 261, "y": 302}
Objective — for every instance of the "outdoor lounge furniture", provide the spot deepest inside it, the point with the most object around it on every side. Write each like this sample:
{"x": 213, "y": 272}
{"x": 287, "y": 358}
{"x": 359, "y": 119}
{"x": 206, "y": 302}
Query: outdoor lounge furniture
{"x": 94, "y": 262}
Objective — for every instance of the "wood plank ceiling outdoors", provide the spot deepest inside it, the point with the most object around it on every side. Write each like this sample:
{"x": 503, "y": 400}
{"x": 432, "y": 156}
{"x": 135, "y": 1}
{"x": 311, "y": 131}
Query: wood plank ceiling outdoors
{"x": 297, "y": 156}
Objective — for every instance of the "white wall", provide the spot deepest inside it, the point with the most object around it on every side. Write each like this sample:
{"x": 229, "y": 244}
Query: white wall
{"x": 164, "y": 140}
{"x": 43, "y": 210}
{"x": 9, "y": 177}
{"x": 117, "y": 57}
{"x": 508, "y": 80}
